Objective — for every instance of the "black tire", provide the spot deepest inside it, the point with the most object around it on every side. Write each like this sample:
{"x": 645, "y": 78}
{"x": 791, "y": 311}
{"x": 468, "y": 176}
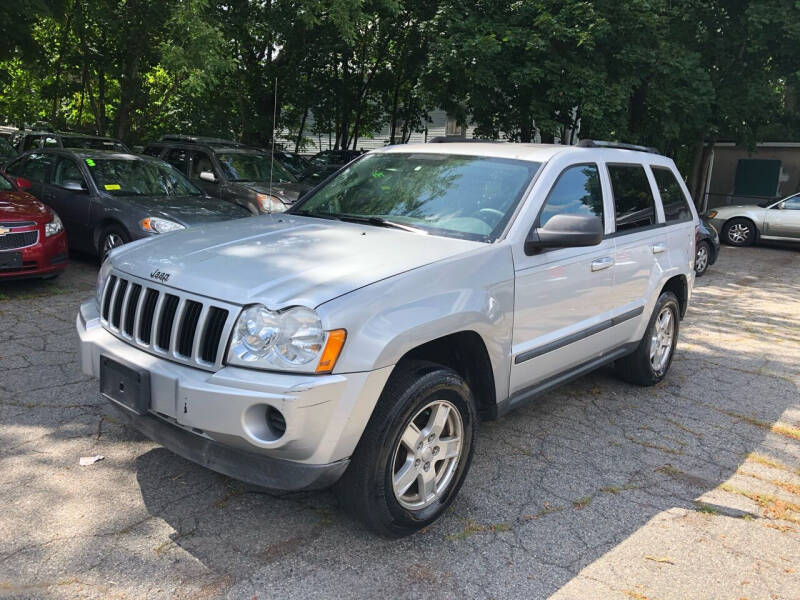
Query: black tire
{"x": 108, "y": 233}
{"x": 365, "y": 491}
{"x": 700, "y": 264}
{"x": 737, "y": 226}
{"x": 637, "y": 367}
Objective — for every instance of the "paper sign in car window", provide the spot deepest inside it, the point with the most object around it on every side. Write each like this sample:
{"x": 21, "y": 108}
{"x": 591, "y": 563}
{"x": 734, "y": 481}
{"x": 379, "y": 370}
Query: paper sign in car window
{"x": 112, "y": 186}
{"x": 90, "y": 162}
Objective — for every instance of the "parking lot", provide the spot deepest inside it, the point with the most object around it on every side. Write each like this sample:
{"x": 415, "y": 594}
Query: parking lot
{"x": 690, "y": 489}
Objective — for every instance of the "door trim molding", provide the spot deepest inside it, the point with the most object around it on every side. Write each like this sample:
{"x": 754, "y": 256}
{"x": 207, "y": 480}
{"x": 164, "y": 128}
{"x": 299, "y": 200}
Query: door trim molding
{"x": 576, "y": 337}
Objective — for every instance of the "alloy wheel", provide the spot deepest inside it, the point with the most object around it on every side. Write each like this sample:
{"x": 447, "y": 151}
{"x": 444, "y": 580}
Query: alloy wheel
{"x": 738, "y": 233}
{"x": 427, "y": 455}
{"x": 111, "y": 241}
{"x": 661, "y": 339}
{"x": 701, "y": 260}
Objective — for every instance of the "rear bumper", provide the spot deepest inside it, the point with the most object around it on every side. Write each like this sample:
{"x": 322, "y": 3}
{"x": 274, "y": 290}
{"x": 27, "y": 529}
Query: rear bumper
{"x": 219, "y": 419}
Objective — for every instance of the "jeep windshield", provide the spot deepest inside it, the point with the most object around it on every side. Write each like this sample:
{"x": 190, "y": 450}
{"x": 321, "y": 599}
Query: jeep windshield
{"x": 251, "y": 166}
{"x": 136, "y": 177}
{"x": 469, "y": 197}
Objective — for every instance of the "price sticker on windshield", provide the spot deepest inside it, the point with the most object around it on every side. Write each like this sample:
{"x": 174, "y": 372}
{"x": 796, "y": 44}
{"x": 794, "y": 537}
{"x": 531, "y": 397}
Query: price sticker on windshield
{"x": 90, "y": 162}
{"x": 112, "y": 186}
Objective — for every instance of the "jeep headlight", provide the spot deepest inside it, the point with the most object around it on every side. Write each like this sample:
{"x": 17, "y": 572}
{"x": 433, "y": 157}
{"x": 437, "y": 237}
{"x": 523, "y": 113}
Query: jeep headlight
{"x": 102, "y": 278}
{"x": 270, "y": 204}
{"x": 288, "y": 340}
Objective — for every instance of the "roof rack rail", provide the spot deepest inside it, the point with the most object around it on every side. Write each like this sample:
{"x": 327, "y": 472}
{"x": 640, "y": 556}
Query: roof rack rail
{"x": 457, "y": 139}
{"x": 199, "y": 139}
{"x": 617, "y": 145}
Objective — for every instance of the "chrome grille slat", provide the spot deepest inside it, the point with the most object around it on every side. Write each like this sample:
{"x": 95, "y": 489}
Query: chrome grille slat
{"x": 194, "y": 328}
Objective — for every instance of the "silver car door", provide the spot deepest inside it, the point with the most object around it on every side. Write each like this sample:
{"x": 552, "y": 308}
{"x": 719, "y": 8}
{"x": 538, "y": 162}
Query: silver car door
{"x": 563, "y": 297}
{"x": 783, "y": 220}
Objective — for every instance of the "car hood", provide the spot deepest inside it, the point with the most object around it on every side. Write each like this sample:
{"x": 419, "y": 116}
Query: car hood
{"x": 283, "y": 260}
{"x": 189, "y": 210}
{"x": 289, "y": 193}
{"x": 20, "y": 206}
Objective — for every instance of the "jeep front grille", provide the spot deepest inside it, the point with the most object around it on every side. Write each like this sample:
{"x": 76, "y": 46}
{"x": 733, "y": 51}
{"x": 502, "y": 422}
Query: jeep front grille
{"x": 183, "y": 327}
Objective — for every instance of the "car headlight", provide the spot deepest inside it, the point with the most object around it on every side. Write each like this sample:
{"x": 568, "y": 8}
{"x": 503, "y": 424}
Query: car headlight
{"x": 288, "y": 340}
{"x": 159, "y": 225}
{"x": 270, "y": 204}
{"x": 102, "y": 278}
{"x": 54, "y": 226}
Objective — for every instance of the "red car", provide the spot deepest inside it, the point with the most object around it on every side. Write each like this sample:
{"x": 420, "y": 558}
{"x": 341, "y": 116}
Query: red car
{"x": 32, "y": 238}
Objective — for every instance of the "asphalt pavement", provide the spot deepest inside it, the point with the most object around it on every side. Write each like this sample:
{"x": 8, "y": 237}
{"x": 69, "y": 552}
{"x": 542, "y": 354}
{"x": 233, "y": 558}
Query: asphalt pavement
{"x": 690, "y": 489}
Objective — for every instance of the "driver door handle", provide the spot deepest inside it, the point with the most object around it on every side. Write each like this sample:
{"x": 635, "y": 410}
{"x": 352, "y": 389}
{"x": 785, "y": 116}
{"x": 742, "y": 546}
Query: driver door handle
{"x": 602, "y": 263}
{"x": 659, "y": 248}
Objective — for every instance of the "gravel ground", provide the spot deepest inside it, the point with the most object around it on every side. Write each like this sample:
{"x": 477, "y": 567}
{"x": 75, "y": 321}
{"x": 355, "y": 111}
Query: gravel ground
{"x": 603, "y": 490}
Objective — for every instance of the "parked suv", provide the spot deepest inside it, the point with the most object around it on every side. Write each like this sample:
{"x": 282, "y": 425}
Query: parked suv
{"x": 230, "y": 171}
{"x": 359, "y": 337}
{"x": 49, "y": 139}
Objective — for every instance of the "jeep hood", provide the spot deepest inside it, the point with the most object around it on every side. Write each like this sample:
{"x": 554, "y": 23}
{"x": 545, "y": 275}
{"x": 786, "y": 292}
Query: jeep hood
{"x": 283, "y": 260}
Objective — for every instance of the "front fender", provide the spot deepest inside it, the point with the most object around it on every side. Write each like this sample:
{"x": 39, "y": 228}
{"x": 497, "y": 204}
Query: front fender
{"x": 385, "y": 320}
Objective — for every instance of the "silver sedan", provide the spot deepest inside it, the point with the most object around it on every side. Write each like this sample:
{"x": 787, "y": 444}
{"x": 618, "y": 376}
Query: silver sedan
{"x": 744, "y": 225}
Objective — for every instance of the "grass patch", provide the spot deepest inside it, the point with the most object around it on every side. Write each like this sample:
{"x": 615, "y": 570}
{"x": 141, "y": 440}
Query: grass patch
{"x": 582, "y": 503}
{"x": 705, "y": 508}
{"x": 471, "y": 528}
{"x": 652, "y": 446}
{"x": 771, "y": 462}
{"x": 683, "y": 427}
{"x": 792, "y": 488}
{"x": 547, "y": 510}
{"x": 779, "y": 428}
{"x": 773, "y": 507}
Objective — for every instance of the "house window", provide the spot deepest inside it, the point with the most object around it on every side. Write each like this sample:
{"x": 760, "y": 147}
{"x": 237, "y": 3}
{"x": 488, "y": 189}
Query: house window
{"x": 453, "y": 127}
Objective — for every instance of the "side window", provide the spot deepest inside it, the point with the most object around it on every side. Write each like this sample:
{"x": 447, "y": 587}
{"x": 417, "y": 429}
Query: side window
{"x": 152, "y": 151}
{"x": 792, "y": 203}
{"x": 179, "y": 159}
{"x": 67, "y": 171}
{"x": 201, "y": 162}
{"x": 32, "y": 141}
{"x": 634, "y": 205}
{"x": 676, "y": 207}
{"x": 37, "y": 167}
{"x": 576, "y": 192}
{"x": 50, "y": 142}
{"x": 16, "y": 167}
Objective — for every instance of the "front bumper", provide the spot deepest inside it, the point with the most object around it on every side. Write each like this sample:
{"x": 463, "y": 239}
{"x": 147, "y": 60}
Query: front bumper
{"x": 217, "y": 419}
{"x": 47, "y": 257}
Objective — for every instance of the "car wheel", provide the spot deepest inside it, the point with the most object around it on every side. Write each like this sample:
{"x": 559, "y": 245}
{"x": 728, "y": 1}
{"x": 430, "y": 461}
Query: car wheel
{"x": 414, "y": 453}
{"x": 739, "y": 232}
{"x": 112, "y": 237}
{"x": 701, "y": 259}
{"x": 649, "y": 363}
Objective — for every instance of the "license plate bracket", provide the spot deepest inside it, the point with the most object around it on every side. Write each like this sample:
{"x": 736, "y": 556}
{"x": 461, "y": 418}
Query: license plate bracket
{"x": 10, "y": 260}
{"x": 125, "y": 385}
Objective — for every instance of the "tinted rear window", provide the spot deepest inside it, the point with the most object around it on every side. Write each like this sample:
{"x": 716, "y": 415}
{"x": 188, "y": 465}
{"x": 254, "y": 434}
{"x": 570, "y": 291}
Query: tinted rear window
{"x": 634, "y": 205}
{"x": 676, "y": 207}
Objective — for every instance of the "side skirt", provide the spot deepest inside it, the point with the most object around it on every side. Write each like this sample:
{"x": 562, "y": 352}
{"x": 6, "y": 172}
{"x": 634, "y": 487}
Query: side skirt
{"x": 531, "y": 393}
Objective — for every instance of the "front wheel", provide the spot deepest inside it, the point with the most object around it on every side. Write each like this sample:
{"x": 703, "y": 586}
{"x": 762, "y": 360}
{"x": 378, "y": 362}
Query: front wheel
{"x": 649, "y": 363}
{"x": 739, "y": 232}
{"x": 112, "y": 237}
{"x": 414, "y": 453}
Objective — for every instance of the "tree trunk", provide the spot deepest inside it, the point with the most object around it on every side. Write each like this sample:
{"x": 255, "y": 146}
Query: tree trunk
{"x": 395, "y": 99}
{"x": 695, "y": 181}
{"x": 100, "y": 117}
{"x": 300, "y": 130}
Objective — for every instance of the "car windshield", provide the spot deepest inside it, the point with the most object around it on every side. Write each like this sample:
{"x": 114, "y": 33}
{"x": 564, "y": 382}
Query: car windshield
{"x": 330, "y": 158}
{"x": 136, "y": 177}
{"x": 92, "y": 144}
{"x": 470, "y": 197}
{"x": 5, "y": 184}
{"x": 239, "y": 166}
{"x": 295, "y": 163}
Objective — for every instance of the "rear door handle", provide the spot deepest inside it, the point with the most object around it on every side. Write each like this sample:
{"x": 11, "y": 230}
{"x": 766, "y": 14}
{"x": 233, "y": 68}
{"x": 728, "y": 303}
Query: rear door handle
{"x": 659, "y": 248}
{"x": 602, "y": 263}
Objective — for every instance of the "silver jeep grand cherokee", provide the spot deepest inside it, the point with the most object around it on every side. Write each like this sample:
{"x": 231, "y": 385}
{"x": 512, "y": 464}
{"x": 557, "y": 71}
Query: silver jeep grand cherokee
{"x": 358, "y": 338}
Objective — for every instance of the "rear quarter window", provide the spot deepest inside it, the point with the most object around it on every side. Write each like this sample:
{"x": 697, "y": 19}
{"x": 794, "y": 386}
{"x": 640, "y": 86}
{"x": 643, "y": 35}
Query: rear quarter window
{"x": 676, "y": 205}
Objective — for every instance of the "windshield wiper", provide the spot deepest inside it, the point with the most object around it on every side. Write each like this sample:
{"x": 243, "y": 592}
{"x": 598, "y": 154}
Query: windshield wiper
{"x": 380, "y": 222}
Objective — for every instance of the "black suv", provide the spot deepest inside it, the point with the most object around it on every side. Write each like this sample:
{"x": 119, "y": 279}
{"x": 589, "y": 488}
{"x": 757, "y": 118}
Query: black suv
{"x": 231, "y": 171}
{"x": 49, "y": 139}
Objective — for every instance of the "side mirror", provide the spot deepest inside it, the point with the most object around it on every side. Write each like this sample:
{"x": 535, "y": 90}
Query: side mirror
{"x": 75, "y": 186}
{"x": 24, "y": 184}
{"x": 565, "y": 231}
{"x": 208, "y": 176}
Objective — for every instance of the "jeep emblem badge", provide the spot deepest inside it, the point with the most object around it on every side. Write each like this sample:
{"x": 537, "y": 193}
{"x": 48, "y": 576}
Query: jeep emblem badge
{"x": 160, "y": 276}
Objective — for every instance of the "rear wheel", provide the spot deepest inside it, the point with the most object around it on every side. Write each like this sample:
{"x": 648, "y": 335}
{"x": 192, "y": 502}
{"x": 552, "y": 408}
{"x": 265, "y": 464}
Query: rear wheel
{"x": 414, "y": 453}
{"x": 739, "y": 232}
{"x": 112, "y": 237}
{"x": 651, "y": 360}
{"x": 701, "y": 259}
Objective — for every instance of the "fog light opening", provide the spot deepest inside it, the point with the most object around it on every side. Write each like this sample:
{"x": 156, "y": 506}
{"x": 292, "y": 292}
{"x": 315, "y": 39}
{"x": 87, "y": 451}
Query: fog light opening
{"x": 276, "y": 422}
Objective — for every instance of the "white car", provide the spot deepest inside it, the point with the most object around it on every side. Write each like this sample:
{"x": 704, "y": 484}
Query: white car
{"x": 745, "y": 225}
{"x": 359, "y": 337}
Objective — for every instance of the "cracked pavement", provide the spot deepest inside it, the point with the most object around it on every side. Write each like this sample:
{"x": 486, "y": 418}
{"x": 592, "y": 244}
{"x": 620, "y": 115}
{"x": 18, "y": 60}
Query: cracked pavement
{"x": 603, "y": 490}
